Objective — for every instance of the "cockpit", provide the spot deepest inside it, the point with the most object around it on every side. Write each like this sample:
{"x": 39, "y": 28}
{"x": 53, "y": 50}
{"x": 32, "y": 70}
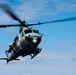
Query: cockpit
{"x": 35, "y": 31}
{"x": 31, "y": 31}
{"x": 28, "y": 31}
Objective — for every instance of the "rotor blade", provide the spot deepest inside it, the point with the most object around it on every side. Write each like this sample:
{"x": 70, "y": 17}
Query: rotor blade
{"x": 55, "y": 21}
{"x": 10, "y": 12}
{"x": 4, "y": 26}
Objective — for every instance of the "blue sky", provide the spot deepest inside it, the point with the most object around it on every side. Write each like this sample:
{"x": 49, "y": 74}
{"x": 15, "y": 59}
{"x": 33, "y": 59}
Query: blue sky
{"x": 58, "y": 56}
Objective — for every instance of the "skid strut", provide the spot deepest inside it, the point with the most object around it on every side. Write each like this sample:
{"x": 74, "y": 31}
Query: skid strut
{"x": 36, "y": 53}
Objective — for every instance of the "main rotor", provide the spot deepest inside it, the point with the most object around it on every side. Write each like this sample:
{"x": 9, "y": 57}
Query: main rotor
{"x": 6, "y": 8}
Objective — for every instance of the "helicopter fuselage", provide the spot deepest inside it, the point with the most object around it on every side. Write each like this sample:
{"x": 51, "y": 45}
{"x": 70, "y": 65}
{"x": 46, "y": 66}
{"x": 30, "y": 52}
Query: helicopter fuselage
{"x": 26, "y": 43}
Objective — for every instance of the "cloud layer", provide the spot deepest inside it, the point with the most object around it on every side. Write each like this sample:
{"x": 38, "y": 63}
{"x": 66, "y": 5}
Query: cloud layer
{"x": 53, "y": 62}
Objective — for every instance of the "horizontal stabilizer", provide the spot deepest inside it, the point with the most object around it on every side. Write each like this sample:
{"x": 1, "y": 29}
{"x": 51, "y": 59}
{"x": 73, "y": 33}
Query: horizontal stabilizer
{"x": 17, "y": 59}
{"x": 7, "y": 59}
{"x": 3, "y": 58}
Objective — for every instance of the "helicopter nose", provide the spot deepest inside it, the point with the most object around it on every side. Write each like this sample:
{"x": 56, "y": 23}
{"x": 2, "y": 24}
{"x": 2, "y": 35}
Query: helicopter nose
{"x": 36, "y": 38}
{"x": 35, "y": 35}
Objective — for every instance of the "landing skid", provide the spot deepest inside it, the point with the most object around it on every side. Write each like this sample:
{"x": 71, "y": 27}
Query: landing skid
{"x": 36, "y": 53}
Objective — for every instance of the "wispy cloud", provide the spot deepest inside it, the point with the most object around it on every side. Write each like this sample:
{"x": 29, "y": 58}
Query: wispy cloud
{"x": 29, "y": 10}
{"x": 36, "y": 8}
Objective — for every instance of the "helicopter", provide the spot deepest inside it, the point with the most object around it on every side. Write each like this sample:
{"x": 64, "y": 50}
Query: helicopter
{"x": 28, "y": 39}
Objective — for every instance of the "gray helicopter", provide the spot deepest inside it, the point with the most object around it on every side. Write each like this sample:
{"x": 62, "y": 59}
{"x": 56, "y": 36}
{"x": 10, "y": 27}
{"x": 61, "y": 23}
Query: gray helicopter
{"x": 28, "y": 39}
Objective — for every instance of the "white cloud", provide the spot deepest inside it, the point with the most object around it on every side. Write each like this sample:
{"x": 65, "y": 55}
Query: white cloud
{"x": 26, "y": 74}
{"x": 29, "y": 10}
{"x": 36, "y": 8}
{"x": 52, "y": 62}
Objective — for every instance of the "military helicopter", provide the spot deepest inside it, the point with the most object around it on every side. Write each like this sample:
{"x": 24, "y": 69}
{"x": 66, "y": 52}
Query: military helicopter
{"x": 28, "y": 39}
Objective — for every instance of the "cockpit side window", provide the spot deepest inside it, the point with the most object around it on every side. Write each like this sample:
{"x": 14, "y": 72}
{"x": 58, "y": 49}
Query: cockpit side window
{"x": 36, "y": 31}
{"x": 28, "y": 31}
